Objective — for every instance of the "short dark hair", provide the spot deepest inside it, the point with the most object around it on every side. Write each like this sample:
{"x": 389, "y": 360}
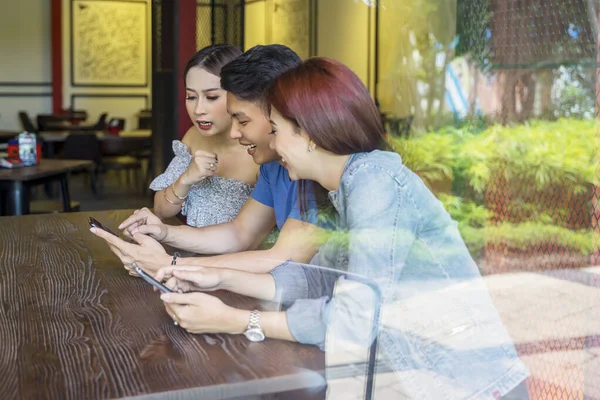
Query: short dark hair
{"x": 250, "y": 74}
{"x": 212, "y": 59}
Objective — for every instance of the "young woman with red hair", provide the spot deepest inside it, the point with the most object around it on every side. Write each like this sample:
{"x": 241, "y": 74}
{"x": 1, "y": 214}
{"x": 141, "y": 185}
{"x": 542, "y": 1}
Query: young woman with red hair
{"x": 440, "y": 331}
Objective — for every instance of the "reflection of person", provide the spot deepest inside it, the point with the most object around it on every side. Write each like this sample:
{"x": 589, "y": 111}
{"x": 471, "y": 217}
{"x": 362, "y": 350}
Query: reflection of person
{"x": 210, "y": 178}
{"x": 273, "y": 202}
{"x": 444, "y": 339}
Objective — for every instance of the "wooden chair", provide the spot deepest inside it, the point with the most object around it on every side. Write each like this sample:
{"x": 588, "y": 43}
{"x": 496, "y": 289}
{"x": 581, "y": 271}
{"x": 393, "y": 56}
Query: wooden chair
{"x": 100, "y": 125}
{"x": 46, "y": 122}
{"x": 120, "y": 154}
{"x": 26, "y": 123}
{"x": 74, "y": 116}
{"x": 145, "y": 119}
{"x": 86, "y": 146}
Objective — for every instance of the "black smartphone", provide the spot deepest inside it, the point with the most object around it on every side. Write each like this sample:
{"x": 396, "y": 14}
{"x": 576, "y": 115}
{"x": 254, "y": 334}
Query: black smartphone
{"x": 95, "y": 224}
{"x": 145, "y": 276}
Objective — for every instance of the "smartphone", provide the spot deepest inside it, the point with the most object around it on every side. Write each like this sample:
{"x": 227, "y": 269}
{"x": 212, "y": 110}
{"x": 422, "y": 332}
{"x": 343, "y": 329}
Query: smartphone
{"x": 95, "y": 224}
{"x": 145, "y": 276}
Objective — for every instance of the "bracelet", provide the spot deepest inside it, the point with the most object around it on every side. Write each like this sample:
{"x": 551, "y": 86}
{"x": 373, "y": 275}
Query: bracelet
{"x": 175, "y": 194}
{"x": 175, "y": 255}
{"x": 172, "y": 202}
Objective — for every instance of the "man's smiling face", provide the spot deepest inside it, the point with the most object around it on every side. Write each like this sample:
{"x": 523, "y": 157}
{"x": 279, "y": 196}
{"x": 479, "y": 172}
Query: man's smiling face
{"x": 251, "y": 129}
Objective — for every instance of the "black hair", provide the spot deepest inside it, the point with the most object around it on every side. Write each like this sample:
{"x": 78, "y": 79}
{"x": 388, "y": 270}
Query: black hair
{"x": 250, "y": 74}
{"x": 212, "y": 58}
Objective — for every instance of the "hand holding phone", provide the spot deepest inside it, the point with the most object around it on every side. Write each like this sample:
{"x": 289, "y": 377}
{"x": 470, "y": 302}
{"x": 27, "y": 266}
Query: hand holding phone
{"x": 145, "y": 276}
{"x": 95, "y": 224}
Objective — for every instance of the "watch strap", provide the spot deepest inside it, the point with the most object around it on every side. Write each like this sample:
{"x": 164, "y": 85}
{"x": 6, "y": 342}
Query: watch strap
{"x": 254, "y": 319}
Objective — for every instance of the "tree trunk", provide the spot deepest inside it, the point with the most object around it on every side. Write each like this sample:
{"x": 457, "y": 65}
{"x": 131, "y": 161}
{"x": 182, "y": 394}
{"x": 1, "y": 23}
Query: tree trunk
{"x": 509, "y": 98}
{"x": 545, "y": 79}
{"x": 474, "y": 72}
{"x": 431, "y": 94}
{"x": 447, "y": 57}
{"x": 527, "y": 96}
{"x": 410, "y": 91}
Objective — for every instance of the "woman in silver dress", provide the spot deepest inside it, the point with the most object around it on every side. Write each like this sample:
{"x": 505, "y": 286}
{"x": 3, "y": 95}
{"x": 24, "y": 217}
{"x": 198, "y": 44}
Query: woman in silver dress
{"x": 211, "y": 176}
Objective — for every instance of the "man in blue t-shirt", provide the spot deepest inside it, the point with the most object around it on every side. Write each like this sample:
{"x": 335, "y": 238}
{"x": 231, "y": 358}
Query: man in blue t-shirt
{"x": 274, "y": 200}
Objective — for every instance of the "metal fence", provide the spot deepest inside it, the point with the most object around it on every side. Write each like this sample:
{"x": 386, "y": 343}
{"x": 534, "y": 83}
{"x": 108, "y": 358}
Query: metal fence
{"x": 531, "y": 48}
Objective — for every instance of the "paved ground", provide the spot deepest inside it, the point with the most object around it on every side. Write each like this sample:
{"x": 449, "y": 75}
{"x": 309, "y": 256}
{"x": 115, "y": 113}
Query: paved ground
{"x": 553, "y": 320}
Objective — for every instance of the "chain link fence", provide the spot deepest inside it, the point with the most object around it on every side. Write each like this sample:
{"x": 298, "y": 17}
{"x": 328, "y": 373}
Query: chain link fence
{"x": 539, "y": 58}
{"x": 219, "y": 22}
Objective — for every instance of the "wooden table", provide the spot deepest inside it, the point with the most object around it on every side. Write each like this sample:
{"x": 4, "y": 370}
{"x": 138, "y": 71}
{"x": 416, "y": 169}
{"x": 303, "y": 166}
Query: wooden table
{"x": 16, "y": 183}
{"x": 5, "y": 136}
{"x": 75, "y": 325}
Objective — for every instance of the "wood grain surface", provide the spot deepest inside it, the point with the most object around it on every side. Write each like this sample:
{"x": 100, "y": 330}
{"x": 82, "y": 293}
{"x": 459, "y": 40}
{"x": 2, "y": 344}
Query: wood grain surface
{"x": 75, "y": 325}
{"x": 47, "y": 167}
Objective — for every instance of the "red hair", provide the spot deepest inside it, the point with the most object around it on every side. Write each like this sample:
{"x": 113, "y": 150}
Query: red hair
{"x": 335, "y": 109}
{"x": 327, "y": 100}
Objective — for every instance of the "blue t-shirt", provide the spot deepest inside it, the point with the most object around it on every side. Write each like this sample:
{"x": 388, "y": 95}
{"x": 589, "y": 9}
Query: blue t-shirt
{"x": 275, "y": 189}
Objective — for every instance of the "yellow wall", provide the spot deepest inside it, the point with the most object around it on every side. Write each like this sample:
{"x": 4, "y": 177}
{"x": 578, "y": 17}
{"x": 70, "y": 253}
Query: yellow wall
{"x": 25, "y": 68}
{"x": 283, "y": 21}
{"x": 113, "y": 103}
{"x": 342, "y": 31}
{"x": 255, "y": 24}
{"x": 394, "y": 74}
{"x": 343, "y": 34}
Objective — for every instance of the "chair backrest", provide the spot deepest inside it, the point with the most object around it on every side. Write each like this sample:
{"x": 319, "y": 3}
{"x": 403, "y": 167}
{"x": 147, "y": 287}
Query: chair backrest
{"x": 49, "y": 122}
{"x": 145, "y": 119}
{"x": 101, "y": 124}
{"x": 26, "y": 122}
{"x": 145, "y": 122}
{"x": 71, "y": 113}
{"x": 82, "y": 146}
{"x": 122, "y": 145}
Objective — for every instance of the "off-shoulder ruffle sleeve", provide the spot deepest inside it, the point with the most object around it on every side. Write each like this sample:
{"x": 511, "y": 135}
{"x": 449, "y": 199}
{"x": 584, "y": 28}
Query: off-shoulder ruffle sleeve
{"x": 176, "y": 167}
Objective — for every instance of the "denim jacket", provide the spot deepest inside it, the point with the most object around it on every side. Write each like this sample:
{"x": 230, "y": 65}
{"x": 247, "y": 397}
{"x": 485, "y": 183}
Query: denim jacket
{"x": 440, "y": 330}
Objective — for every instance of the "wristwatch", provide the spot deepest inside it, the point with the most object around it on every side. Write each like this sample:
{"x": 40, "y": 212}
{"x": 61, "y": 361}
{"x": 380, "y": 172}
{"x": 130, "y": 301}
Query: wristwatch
{"x": 254, "y": 332}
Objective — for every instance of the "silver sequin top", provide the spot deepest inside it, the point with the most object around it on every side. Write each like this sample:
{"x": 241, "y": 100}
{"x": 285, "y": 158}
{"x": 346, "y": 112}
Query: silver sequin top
{"x": 214, "y": 200}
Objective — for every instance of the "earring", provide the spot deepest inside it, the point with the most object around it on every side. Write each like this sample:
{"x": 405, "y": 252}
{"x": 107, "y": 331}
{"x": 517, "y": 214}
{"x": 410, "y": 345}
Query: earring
{"x": 310, "y": 149}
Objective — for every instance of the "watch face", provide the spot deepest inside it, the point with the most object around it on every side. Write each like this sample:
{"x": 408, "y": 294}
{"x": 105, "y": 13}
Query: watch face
{"x": 255, "y": 335}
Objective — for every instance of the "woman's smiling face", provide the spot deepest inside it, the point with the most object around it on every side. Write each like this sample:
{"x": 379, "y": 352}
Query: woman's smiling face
{"x": 292, "y": 144}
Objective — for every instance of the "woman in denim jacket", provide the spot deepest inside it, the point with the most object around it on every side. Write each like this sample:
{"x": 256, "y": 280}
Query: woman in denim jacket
{"x": 440, "y": 330}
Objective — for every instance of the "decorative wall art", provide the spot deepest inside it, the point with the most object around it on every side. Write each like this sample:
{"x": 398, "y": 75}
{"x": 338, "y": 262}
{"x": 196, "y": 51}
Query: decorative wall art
{"x": 109, "y": 43}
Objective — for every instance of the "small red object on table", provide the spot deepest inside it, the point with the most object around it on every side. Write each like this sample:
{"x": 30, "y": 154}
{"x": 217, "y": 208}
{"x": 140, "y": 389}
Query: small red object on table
{"x": 113, "y": 130}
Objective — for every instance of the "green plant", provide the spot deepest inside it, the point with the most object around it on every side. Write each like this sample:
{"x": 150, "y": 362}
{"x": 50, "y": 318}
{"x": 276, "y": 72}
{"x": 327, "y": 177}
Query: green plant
{"x": 477, "y": 231}
{"x": 573, "y": 92}
{"x": 431, "y": 155}
{"x": 472, "y": 220}
{"x": 561, "y": 153}
{"x": 536, "y": 160}
{"x": 525, "y": 235}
